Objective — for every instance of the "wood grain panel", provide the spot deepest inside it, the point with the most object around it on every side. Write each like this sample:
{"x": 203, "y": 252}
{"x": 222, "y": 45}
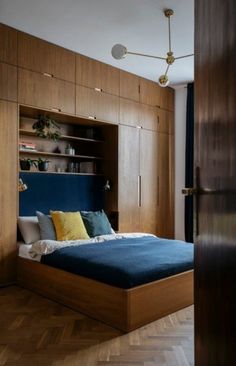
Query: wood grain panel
{"x": 165, "y": 225}
{"x": 95, "y": 74}
{"x": 42, "y": 91}
{"x": 8, "y": 82}
{"x": 149, "y": 117}
{"x": 150, "y": 92}
{"x": 38, "y": 55}
{"x": 129, "y": 112}
{"x": 215, "y": 158}
{"x": 165, "y": 121}
{"x": 149, "y": 181}
{"x": 167, "y": 100}
{"x": 8, "y": 191}
{"x": 8, "y": 44}
{"x": 97, "y": 105}
{"x": 129, "y": 85}
{"x": 129, "y": 211}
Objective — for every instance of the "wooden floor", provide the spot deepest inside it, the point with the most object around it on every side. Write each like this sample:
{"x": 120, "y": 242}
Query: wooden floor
{"x": 35, "y": 331}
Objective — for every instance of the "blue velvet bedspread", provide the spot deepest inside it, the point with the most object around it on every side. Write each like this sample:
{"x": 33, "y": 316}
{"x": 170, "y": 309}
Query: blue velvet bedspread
{"x": 125, "y": 263}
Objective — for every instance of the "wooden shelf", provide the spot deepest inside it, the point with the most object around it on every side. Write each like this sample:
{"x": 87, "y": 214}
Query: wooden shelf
{"x": 45, "y": 153}
{"x": 63, "y": 137}
{"x": 48, "y": 172}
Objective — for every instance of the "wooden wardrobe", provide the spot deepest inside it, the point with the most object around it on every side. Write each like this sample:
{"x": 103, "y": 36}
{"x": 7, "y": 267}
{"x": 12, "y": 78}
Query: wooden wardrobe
{"x": 38, "y": 76}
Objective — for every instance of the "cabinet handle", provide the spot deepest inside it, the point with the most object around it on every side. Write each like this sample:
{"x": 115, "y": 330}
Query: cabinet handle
{"x": 139, "y": 191}
{"x": 98, "y": 90}
{"x": 56, "y": 109}
{"x": 158, "y": 191}
{"x": 158, "y": 119}
{"x": 92, "y": 117}
{"x": 48, "y": 75}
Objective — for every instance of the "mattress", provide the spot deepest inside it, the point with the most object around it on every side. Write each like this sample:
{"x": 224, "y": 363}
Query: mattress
{"x": 125, "y": 263}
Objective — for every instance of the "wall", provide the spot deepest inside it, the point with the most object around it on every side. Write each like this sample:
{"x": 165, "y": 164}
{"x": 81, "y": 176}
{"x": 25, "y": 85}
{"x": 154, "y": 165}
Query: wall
{"x": 180, "y": 139}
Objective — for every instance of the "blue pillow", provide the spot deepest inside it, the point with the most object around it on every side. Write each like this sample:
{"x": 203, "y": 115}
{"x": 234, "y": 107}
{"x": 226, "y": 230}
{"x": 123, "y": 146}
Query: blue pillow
{"x": 46, "y": 226}
{"x": 96, "y": 223}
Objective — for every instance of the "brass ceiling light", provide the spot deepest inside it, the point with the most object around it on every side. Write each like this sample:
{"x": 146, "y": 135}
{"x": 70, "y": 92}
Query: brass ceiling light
{"x": 119, "y": 51}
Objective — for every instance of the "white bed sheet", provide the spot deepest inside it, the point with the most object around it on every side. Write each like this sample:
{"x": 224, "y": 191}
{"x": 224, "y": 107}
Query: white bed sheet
{"x": 24, "y": 252}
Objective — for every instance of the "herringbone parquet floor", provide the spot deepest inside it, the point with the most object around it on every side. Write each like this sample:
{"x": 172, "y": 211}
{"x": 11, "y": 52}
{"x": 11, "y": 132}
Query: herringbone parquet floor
{"x": 35, "y": 331}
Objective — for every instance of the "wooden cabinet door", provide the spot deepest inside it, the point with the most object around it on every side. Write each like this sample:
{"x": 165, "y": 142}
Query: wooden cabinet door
{"x": 8, "y": 191}
{"x": 110, "y": 79}
{"x": 129, "y": 86}
{"x": 149, "y": 117}
{"x": 97, "y": 75}
{"x": 8, "y": 82}
{"x": 165, "y": 224}
{"x": 129, "y": 112}
{"x": 167, "y": 100}
{"x": 42, "y": 91}
{"x": 150, "y": 92}
{"x": 149, "y": 181}
{"x": 165, "y": 121}
{"x": 38, "y": 55}
{"x": 128, "y": 181}
{"x": 96, "y": 105}
{"x": 8, "y": 44}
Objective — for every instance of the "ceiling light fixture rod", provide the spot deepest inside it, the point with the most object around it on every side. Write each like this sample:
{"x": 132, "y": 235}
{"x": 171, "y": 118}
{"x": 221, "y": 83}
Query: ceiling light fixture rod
{"x": 143, "y": 54}
{"x": 119, "y": 51}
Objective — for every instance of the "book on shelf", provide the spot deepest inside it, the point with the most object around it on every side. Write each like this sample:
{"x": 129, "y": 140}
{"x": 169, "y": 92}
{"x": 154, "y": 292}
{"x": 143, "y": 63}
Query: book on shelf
{"x": 27, "y": 146}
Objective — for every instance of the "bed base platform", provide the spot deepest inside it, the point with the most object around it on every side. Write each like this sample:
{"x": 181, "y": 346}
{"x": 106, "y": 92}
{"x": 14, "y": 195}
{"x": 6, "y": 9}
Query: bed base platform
{"x": 125, "y": 309}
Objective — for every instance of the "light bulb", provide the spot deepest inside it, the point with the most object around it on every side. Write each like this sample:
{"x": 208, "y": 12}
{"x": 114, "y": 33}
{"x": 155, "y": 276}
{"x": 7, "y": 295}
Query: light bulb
{"x": 118, "y": 51}
{"x": 163, "y": 81}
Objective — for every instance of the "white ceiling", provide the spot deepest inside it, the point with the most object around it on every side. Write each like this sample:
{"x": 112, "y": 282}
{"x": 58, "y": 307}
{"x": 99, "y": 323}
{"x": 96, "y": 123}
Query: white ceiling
{"x": 92, "y": 27}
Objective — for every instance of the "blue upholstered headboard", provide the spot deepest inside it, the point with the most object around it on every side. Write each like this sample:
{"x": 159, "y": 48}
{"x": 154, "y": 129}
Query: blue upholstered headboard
{"x": 60, "y": 192}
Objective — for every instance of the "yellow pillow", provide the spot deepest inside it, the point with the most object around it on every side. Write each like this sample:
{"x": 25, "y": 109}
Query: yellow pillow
{"x": 69, "y": 225}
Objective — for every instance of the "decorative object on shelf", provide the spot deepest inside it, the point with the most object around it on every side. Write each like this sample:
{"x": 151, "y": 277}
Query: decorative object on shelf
{"x": 27, "y": 146}
{"x": 43, "y": 164}
{"x": 119, "y": 51}
{"x": 22, "y": 186}
{"x": 107, "y": 186}
{"x": 47, "y": 128}
{"x": 26, "y": 164}
{"x": 57, "y": 150}
{"x": 69, "y": 150}
{"x": 87, "y": 167}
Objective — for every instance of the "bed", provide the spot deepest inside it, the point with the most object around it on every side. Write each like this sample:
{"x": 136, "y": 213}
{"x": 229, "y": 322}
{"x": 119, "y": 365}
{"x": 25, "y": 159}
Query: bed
{"x": 124, "y": 280}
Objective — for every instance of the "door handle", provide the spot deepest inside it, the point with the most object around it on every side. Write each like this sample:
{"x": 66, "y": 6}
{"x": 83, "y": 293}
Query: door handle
{"x": 189, "y": 191}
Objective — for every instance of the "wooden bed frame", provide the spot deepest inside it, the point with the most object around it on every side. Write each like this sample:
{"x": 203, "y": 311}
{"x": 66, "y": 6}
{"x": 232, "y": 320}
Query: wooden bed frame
{"x": 125, "y": 309}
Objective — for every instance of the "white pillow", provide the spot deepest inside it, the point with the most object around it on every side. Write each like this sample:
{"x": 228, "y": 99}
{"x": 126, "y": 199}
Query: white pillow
{"x": 29, "y": 228}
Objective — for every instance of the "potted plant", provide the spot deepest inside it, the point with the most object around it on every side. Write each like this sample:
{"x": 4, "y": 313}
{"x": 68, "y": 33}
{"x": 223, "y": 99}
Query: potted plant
{"x": 47, "y": 128}
{"x": 26, "y": 164}
{"x": 43, "y": 164}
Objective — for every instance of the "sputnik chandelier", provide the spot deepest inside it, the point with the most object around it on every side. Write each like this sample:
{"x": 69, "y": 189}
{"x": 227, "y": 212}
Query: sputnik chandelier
{"x": 119, "y": 51}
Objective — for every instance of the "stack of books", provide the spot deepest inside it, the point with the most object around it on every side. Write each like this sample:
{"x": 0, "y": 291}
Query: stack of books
{"x": 27, "y": 146}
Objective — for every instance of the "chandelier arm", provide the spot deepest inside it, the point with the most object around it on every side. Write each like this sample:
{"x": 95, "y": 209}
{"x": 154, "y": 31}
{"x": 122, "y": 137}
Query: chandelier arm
{"x": 178, "y": 58}
{"x": 169, "y": 31}
{"x": 167, "y": 69}
{"x": 144, "y": 55}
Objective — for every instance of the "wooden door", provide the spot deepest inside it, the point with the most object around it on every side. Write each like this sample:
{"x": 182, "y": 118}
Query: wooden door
{"x": 215, "y": 155}
{"x": 165, "y": 221}
{"x": 8, "y": 82}
{"x": 165, "y": 121}
{"x": 47, "y": 92}
{"x": 129, "y": 86}
{"x": 167, "y": 100}
{"x": 97, "y": 75}
{"x": 150, "y": 92}
{"x": 129, "y": 112}
{"x": 129, "y": 181}
{"x": 8, "y": 44}
{"x": 37, "y": 55}
{"x": 149, "y": 117}
{"x": 8, "y": 191}
{"x": 149, "y": 181}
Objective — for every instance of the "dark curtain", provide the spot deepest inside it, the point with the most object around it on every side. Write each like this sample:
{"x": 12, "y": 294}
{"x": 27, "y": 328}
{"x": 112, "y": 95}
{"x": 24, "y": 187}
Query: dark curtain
{"x": 189, "y": 163}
